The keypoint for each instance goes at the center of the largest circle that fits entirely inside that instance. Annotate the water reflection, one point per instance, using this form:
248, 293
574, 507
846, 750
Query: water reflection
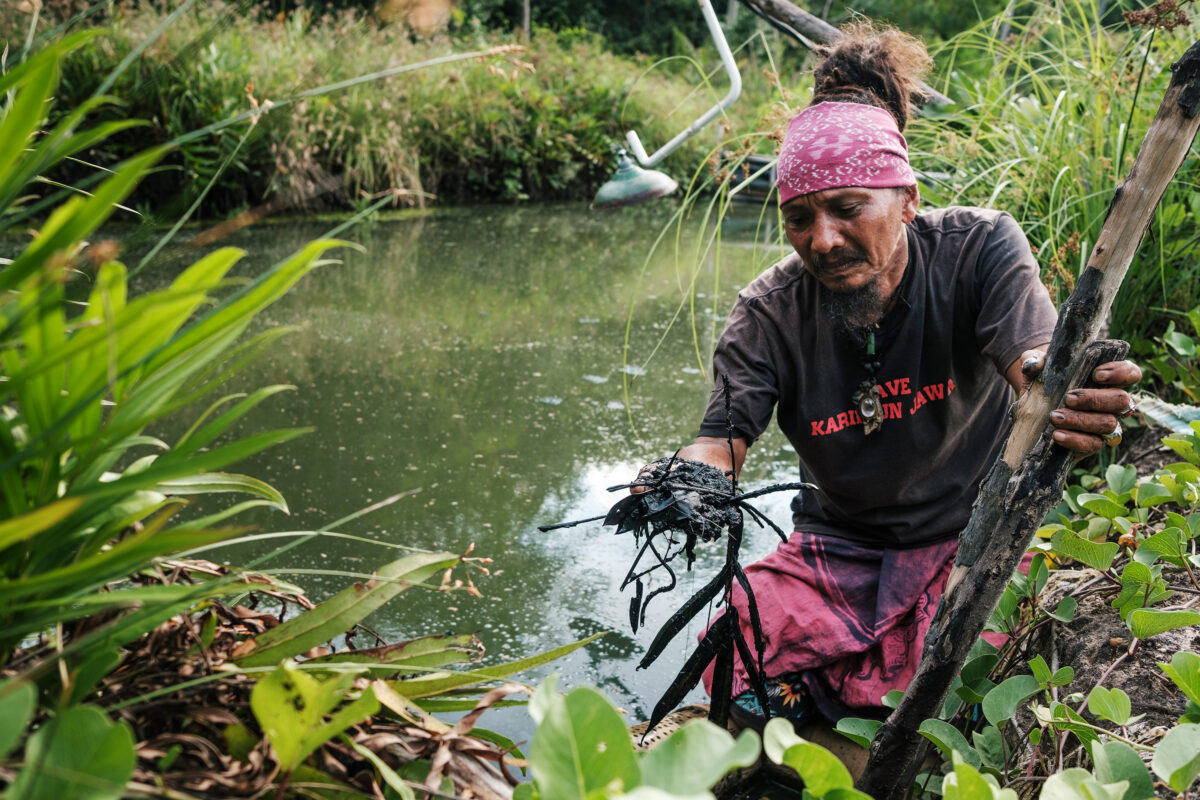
476, 359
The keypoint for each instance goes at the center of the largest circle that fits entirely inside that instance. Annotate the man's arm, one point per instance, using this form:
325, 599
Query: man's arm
1089, 413
715, 452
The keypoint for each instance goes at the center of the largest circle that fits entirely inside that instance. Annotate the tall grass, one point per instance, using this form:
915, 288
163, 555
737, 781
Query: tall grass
1051, 110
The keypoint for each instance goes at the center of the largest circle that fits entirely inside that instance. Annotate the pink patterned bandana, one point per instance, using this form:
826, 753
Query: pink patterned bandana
831, 145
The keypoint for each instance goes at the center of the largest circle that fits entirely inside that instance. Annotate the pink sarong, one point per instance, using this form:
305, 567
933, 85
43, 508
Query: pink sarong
851, 619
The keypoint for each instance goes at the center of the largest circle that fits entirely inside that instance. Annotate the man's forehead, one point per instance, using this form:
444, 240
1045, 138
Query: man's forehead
826, 196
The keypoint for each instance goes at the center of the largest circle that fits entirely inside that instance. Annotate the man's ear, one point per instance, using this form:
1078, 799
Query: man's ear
912, 202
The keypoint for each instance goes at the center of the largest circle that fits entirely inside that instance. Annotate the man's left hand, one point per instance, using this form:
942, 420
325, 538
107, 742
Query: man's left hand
1090, 417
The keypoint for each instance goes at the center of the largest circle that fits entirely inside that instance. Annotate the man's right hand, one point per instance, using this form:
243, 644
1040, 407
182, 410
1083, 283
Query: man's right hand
712, 451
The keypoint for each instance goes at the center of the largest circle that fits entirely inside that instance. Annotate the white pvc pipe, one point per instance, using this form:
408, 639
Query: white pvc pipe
735, 89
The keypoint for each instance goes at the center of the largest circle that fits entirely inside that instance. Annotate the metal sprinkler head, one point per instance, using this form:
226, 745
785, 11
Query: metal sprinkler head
632, 185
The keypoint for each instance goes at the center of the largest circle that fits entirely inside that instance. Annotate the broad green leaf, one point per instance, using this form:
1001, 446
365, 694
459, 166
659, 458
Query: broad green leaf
1097, 529
777, 737
692, 759
1121, 478
820, 769
979, 667
1062, 676
989, 743
582, 748
1076, 783
1169, 544
1096, 555
1146, 622
1184, 670
78, 754
1152, 493
1183, 446
1118, 762
1001, 703
1135, 578
966, 783
17, 704
949, 740
1177, 757
859, 731
299, 711
1110, 704
1040, 669
438, 683
1104, 506
1065, 612
344, 610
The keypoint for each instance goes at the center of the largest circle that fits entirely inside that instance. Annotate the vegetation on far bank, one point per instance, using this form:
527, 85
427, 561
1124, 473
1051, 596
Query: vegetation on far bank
531, 120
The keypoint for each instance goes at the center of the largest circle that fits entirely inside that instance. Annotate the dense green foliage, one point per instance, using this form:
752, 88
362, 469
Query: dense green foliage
1047, 123
538, 121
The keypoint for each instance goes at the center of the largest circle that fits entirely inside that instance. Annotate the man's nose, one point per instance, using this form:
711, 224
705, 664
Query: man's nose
825, 235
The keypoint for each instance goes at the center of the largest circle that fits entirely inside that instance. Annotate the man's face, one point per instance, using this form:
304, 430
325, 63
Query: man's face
851, 237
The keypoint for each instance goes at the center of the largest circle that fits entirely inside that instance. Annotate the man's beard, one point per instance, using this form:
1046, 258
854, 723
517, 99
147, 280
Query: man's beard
850, 311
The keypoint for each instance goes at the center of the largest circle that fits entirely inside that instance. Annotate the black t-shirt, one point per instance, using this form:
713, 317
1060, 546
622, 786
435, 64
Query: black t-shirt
972, 302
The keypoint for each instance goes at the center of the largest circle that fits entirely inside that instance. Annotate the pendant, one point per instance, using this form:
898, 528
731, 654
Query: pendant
866, 400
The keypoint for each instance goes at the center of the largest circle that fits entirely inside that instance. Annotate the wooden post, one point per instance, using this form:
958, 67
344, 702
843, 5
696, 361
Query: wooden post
1027, 480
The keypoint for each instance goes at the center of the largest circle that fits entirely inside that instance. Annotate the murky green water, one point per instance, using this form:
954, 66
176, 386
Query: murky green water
475, 359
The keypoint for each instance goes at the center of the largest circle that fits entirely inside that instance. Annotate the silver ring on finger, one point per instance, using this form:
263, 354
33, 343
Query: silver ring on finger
1113, 437
1132, 407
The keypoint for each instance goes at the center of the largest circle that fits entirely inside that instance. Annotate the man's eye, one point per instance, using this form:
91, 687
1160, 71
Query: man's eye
848, 210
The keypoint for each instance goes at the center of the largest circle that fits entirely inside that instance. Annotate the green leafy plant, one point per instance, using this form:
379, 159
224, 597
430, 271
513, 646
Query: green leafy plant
1173, 361
583, 751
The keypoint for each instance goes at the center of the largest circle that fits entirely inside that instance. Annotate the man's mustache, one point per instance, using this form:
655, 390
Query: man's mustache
836, 260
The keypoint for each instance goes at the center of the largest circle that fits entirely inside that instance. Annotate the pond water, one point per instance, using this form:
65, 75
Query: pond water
476, 359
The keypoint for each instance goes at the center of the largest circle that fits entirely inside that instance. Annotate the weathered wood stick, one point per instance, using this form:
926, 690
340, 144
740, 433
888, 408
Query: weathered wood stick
811, 31
1027, 480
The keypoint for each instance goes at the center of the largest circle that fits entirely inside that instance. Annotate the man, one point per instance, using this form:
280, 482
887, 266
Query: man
889, 346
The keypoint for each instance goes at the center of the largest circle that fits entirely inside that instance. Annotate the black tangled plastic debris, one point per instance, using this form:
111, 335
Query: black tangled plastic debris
684, 502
